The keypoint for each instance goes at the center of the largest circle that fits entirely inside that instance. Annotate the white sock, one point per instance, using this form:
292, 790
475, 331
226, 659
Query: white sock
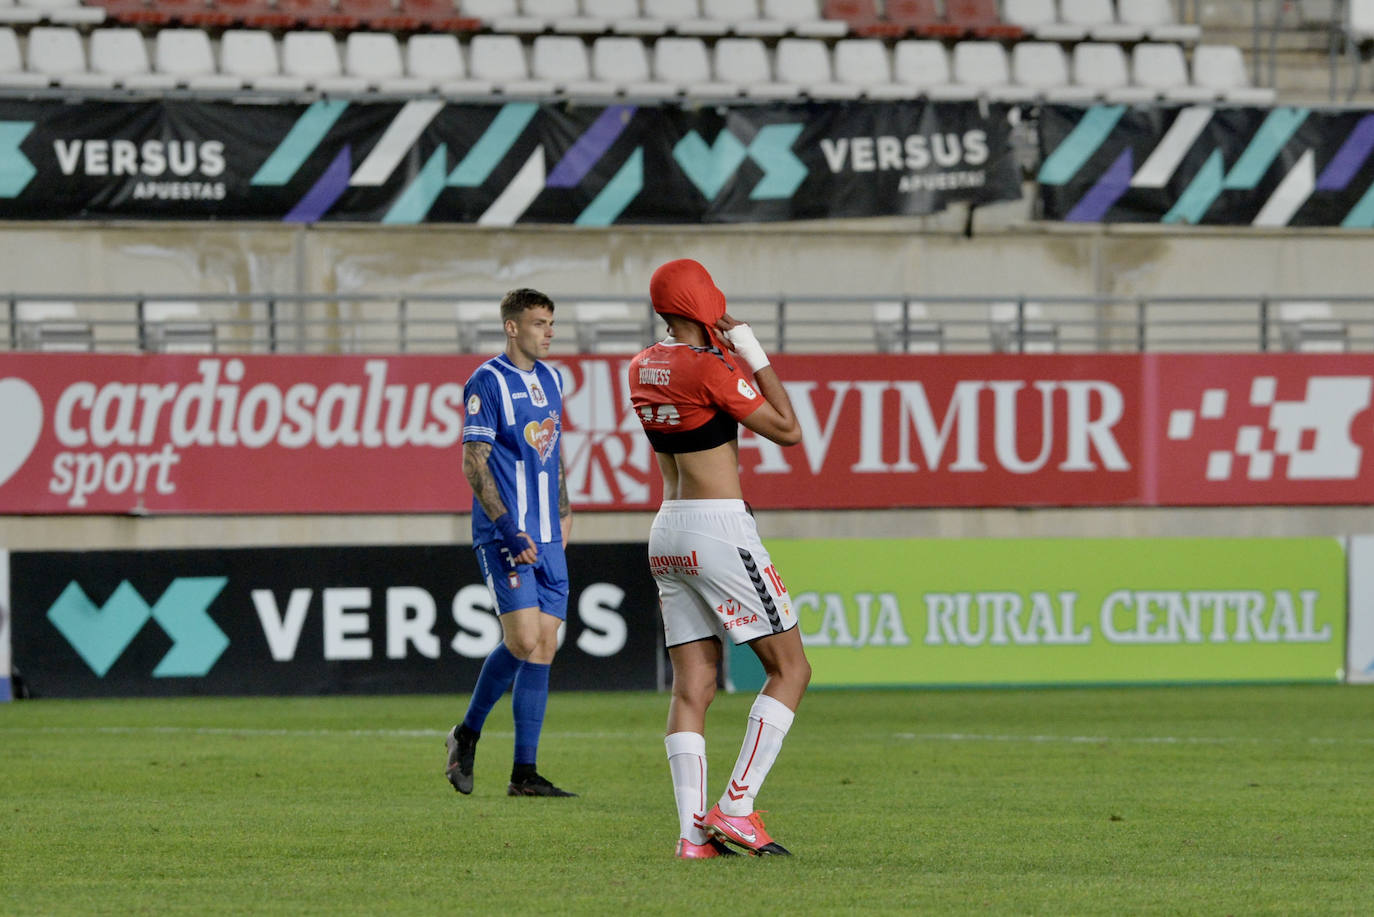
769, 720
687, 763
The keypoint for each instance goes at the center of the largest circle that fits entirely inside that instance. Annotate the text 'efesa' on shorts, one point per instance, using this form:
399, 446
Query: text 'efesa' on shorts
714, 575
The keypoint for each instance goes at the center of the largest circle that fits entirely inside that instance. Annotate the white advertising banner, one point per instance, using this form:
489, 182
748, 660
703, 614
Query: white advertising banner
1359, 660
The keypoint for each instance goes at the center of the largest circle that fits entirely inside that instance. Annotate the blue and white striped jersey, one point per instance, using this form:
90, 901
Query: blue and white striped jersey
520, 414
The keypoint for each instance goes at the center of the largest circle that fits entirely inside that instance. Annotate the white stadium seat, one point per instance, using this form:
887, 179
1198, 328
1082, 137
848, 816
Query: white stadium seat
805, 62
923, 64
13, 14
1163, 69
744, 62
562, 60
983, 64
504, 16
251, 54
500, 61
1042, 66
64, 12
742, 17
437, 60
314, 57
864, 63
1099, 18
12, 72
803, 18
1221, 68
1156, 17
120, 55
684, 64
624, 17
57, 53
376, 58
622, 63
1040, 18
186, 56
1361, 20
1102, 67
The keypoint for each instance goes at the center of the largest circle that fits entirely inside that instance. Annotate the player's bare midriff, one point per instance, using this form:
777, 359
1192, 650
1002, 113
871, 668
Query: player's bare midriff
711, 474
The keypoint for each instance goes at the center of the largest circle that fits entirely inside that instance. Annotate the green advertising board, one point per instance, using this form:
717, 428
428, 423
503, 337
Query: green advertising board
1063, 611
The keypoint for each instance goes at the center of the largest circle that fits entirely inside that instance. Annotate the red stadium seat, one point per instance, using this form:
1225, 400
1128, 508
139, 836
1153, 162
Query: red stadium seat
440, 16
980, 17
923, 18
304, 13
256, 14
134, 12
863, 18
377, 14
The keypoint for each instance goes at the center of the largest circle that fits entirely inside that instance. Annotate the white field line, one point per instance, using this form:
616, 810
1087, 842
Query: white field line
1133, 740
294, 733
595, 736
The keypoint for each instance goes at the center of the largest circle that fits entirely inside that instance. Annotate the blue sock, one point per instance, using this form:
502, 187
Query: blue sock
529, 699
497, 674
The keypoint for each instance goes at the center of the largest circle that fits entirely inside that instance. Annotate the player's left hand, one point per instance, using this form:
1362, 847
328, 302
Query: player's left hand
726, 322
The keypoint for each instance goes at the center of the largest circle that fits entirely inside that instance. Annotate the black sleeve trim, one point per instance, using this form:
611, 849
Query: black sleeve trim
717, 431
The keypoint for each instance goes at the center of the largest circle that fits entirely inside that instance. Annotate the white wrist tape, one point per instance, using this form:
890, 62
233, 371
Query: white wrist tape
747, 347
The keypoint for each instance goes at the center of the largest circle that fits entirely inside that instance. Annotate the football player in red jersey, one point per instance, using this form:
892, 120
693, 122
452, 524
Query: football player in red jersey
715, 578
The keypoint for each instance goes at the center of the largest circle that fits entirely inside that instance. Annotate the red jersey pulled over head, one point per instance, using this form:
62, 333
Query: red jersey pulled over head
683, 287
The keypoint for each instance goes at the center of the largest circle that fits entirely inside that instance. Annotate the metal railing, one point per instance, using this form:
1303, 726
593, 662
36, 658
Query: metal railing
429, 323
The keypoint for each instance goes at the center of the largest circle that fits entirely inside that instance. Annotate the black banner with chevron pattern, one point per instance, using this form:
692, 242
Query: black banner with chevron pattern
427, 160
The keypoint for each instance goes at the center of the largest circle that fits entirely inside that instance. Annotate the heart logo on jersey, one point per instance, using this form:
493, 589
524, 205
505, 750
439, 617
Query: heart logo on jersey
542, 436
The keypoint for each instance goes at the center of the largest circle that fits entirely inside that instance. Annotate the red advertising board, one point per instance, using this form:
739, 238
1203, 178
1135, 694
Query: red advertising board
98, 433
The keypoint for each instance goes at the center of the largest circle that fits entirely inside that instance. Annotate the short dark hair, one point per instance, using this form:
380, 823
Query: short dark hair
517, 301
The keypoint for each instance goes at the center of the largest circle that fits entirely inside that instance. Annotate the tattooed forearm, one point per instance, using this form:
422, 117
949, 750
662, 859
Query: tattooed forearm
564, 504
481, 480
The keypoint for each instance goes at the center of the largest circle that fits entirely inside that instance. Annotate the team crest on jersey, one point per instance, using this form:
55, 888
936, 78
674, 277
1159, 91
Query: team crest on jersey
746, 390
543, 436
474, 404
537, 397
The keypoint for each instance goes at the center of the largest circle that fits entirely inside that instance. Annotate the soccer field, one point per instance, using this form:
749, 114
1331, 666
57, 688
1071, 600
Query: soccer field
1190, 800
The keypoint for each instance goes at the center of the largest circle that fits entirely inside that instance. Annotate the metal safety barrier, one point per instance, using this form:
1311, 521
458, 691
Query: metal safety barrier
337, 323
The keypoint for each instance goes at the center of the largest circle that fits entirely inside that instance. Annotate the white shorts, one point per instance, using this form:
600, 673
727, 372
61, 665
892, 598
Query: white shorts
714, 575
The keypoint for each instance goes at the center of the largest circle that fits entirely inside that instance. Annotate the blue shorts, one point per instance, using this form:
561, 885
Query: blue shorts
542, 584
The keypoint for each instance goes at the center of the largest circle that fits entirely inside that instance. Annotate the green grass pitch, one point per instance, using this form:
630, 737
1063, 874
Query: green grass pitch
1189, 800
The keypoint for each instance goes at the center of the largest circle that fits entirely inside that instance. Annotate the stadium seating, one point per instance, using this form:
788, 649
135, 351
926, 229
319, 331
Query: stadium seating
620, 65
1040, 18
683, 65
803, 18
1103, 68
1360, 20
1221, 69
57, 12
921, 17
1156, 17
743, 62
186, 58
983, 64
1163, 70
862, 64
863, 19
923, 64
12, 72
1043, 68
500, 60
980, 19
251, 55
1098, 18
57, 54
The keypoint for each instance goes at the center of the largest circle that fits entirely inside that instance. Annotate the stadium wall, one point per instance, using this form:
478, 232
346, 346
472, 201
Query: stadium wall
930, 257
